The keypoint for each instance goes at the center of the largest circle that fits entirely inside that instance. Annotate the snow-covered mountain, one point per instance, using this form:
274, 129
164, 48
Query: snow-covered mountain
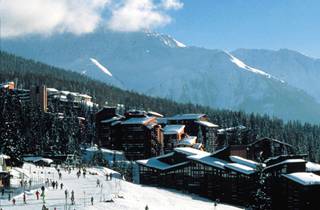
295, 68
159, 65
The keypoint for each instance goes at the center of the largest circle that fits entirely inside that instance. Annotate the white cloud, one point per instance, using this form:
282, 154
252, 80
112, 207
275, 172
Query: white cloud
172, 4
46, 17
20, 17
136, 15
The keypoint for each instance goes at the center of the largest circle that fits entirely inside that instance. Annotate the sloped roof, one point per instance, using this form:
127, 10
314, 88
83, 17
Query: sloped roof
173, 129
137, 120
186, 117
304, 178
207, 124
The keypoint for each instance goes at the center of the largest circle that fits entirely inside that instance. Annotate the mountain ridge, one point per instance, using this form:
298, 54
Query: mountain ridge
156, 65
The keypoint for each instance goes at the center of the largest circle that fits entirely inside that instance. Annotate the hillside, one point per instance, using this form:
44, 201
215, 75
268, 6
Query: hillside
28, 72
143, 62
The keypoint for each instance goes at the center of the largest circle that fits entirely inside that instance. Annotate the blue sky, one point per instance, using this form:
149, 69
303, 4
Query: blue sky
232, 24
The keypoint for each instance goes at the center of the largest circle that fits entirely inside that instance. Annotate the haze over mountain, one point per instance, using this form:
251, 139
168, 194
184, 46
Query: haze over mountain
159, 65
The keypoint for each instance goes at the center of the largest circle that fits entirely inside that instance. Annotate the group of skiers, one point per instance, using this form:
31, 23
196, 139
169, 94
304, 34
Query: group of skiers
55, 185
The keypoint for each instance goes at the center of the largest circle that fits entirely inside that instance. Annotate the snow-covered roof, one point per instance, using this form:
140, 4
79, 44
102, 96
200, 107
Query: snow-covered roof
156, 163
244, 161
103, 150
85, 96
137, 120
239, 127
310, 167
173, 129
37, 159
4, 156
156, 114
304, 178
288, 161
207, 124
240, 168
208, 160
161, 120
186, 117
52, 90
189, 151
188, 141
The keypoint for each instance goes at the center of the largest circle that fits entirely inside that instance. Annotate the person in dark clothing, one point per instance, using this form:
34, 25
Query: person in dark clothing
92, 200
37, 194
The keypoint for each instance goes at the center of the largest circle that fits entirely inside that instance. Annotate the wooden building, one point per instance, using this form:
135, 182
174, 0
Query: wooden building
189, 120
197, 125
207, 134
301, 190
170, 170
141, 137
108, 128
172, 135
267, 147
207, 176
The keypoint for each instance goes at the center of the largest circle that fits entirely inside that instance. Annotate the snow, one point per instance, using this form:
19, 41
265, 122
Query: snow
209, 160
304, 178
137, 120
108, 154
155, 114
173, 129
110, 120
156, 162
288, 161
37, 159
188, 141
244, 161
244, 66
126, 196
186, 117
240, 168
310, 167
207, 124
190, 151
179, 44
101, 67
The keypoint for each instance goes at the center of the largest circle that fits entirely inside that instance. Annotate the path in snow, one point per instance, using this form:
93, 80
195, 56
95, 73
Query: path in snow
135, 197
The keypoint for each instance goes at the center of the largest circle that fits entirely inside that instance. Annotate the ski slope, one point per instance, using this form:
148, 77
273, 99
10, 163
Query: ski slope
125, 195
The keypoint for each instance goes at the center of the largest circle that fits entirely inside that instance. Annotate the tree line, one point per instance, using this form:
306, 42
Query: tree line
26, 73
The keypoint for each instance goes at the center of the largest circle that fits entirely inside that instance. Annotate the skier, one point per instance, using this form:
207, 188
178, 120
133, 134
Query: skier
60, 175
24, 198
92, 200
72, 197
57, 184
61, 186
98, 183
146, 208
37, 194
66, 194
14, 201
